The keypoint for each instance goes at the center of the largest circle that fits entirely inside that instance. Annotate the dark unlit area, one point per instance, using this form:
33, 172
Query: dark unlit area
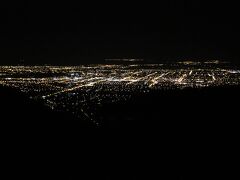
175, 134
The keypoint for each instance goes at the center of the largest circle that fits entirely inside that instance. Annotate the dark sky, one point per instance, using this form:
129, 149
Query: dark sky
75, 33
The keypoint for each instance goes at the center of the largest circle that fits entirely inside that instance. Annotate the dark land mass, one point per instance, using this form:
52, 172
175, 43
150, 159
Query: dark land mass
174, 134
178, 110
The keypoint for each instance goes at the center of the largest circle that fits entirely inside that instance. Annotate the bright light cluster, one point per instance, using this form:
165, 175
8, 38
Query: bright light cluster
82, 89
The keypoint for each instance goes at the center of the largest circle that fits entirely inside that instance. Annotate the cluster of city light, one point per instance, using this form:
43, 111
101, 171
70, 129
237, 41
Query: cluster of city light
82, 89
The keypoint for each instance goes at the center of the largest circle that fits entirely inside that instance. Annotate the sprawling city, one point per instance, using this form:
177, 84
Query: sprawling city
80, 90
119, 90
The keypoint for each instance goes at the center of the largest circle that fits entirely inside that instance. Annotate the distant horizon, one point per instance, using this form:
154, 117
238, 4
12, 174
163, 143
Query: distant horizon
143, 62
124, 61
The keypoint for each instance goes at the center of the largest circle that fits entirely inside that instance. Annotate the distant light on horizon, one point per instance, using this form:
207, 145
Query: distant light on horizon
125, 60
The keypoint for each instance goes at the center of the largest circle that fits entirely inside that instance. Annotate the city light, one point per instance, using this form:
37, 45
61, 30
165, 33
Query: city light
82, 89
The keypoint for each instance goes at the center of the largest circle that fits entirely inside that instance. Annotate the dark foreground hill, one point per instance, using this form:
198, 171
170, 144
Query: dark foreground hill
195, 109
175, 134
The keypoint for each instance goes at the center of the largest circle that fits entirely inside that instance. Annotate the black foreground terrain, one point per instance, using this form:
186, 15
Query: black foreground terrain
175, 134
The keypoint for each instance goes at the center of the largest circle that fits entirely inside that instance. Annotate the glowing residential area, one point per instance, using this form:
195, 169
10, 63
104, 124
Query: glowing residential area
81, 89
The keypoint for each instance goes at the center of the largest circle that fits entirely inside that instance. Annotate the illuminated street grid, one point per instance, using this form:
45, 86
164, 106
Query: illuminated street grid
82, 89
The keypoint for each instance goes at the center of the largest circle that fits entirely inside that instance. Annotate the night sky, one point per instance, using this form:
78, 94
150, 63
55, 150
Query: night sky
71, 33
